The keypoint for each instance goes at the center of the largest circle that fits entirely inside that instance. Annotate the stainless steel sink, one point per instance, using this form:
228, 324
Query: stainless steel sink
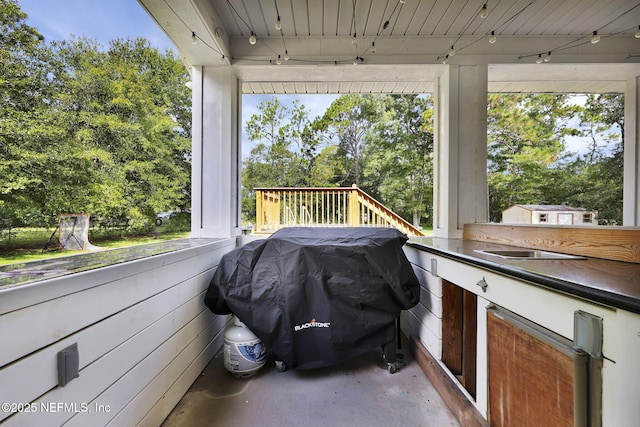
526, 254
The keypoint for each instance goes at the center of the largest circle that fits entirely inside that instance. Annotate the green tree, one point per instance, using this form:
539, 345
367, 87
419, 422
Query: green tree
382, 143
283, 154
24, 89
329, 168
346, 124
528, 161
398, 166
525, 143
593, 178
87, 130
597, 176
124, 111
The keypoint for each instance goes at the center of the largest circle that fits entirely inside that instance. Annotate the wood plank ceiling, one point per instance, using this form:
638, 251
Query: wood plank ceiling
314, 48
366, 18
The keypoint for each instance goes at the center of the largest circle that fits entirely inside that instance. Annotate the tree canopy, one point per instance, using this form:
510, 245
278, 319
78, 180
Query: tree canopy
529, 162
86, 129
106, 131
384, 145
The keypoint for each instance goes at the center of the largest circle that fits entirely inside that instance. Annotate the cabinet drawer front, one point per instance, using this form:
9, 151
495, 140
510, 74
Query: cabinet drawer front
546, 307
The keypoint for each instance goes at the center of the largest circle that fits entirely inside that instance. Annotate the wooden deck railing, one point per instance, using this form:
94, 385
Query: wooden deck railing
323, 207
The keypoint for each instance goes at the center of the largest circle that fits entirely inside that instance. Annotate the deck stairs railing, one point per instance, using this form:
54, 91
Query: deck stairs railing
277, 208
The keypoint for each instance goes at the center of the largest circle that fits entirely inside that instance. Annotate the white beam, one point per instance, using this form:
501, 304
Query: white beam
216, 161
631, 194
460, 190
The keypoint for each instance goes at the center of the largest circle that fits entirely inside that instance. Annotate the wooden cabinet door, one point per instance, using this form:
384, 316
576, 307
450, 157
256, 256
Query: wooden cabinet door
535, 377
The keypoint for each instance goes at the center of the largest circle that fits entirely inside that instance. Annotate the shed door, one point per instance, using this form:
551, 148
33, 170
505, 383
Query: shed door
565, 218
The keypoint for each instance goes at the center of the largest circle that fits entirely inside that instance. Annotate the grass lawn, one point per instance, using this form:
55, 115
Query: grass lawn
28, 244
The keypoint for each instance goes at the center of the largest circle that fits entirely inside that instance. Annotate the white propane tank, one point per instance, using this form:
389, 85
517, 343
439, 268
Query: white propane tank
244, 353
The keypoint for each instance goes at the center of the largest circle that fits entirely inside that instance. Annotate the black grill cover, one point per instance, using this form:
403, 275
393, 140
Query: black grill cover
317, 296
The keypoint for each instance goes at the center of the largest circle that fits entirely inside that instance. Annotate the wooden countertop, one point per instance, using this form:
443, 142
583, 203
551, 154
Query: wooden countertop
613, 283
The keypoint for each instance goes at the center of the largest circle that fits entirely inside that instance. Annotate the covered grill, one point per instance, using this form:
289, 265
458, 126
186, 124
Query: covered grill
318, 296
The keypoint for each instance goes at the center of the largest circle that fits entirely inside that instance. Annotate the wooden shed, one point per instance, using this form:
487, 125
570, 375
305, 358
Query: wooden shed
547, 214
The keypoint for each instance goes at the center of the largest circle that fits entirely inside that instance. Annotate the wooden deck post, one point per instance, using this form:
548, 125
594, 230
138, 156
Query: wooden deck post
353, 211
259, 212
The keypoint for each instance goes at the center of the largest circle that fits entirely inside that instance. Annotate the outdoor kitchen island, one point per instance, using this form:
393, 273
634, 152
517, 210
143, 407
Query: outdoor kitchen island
528, 339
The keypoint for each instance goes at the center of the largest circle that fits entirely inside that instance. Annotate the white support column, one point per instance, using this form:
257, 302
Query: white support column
631, 194
460, 188
215, 198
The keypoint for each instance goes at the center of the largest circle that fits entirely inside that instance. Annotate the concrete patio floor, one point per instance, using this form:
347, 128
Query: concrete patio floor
357, 393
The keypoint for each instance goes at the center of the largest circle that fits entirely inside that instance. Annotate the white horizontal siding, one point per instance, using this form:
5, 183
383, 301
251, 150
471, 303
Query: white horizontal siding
424, 321
143, 335
22, 296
